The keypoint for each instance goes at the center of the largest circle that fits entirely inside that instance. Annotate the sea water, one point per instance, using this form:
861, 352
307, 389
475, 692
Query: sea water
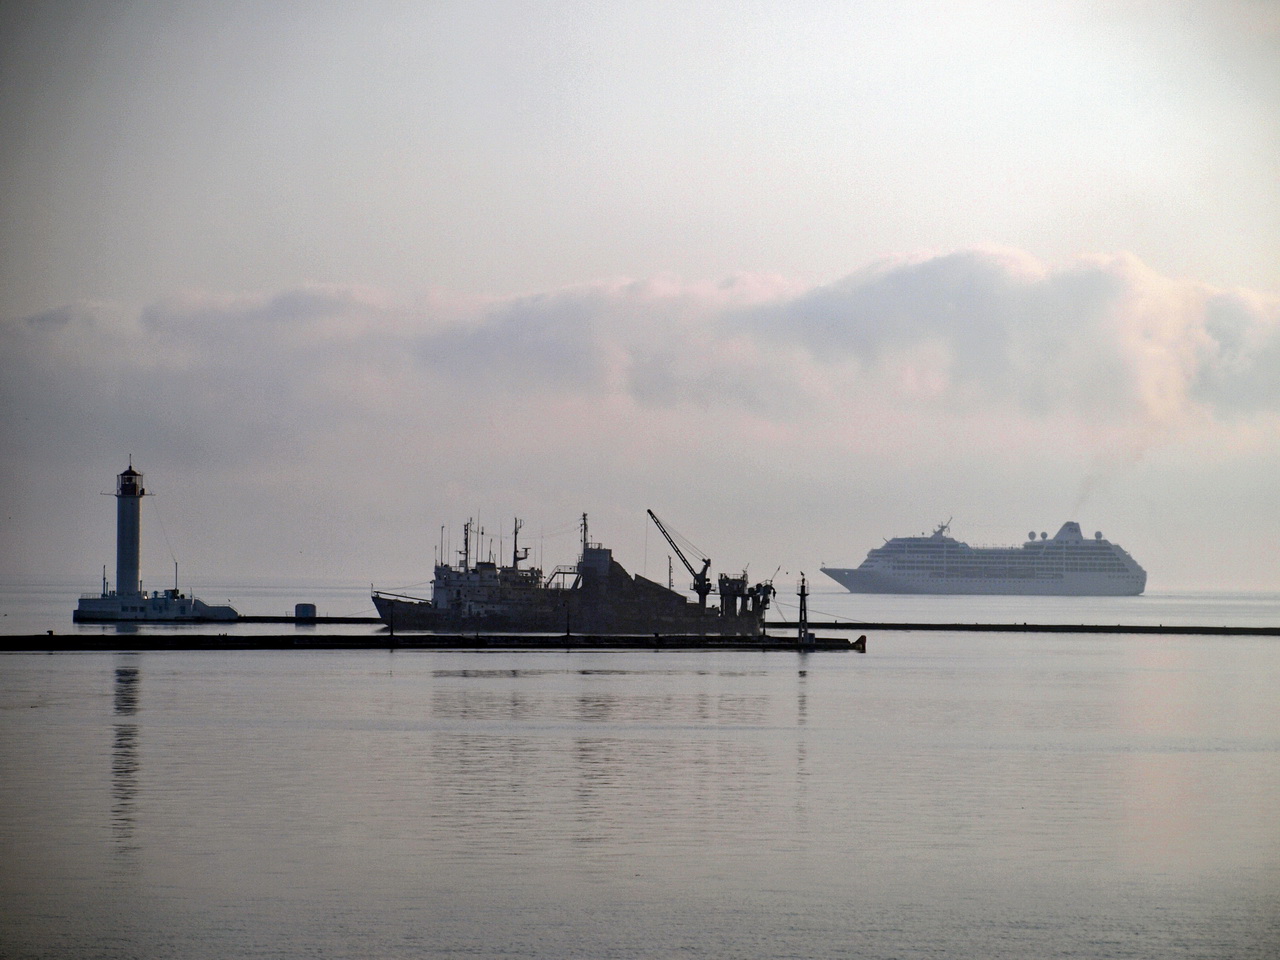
947, 795
40, 605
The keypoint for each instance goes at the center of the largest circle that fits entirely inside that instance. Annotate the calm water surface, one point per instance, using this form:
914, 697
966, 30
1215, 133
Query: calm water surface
949, 796
37, 605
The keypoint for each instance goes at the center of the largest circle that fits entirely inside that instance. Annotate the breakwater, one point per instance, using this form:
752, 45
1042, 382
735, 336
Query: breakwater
784, 626
1130, 628
784, 638
55, 643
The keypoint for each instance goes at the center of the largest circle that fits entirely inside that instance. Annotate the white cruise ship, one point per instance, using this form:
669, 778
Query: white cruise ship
1066, 565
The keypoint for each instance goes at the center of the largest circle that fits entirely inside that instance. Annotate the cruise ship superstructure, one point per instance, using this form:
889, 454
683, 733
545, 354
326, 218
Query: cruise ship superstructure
1068, 564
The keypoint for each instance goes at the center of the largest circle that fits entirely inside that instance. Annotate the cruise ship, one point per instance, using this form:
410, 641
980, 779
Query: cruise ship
1066, 565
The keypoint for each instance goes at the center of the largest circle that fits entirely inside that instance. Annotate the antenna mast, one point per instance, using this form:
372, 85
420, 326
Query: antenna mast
516, 555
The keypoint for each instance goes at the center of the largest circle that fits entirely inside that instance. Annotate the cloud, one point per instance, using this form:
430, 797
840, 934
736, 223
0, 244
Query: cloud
1102, 337
513, 344
1103, 348
978, 355
203, 376
975, 333
1241, 369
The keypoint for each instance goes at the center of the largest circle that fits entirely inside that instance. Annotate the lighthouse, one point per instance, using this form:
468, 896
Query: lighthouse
129, 494
128, 603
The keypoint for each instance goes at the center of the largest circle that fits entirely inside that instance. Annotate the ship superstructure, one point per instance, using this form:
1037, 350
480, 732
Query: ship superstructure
1068, 564
128, 602
596, 595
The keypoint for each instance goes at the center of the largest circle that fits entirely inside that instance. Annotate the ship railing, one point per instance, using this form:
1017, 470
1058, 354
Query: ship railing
397, 596
561, 573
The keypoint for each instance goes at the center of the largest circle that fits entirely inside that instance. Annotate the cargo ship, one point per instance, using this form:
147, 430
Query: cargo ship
1066, 565
594, 596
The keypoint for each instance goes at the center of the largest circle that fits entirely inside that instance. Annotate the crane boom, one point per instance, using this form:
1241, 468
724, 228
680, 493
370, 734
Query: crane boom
701, 582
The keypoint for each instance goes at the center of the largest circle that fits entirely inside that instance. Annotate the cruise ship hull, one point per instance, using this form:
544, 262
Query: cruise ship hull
859, 581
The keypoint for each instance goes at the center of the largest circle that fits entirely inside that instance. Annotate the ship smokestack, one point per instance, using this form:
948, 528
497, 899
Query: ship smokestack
129, 494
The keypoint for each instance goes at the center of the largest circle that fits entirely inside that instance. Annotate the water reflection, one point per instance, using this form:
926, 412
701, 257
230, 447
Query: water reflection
126, 691
525, 673
125, 765
1164, 710
996, 797
600, 701
802, 747
647, 762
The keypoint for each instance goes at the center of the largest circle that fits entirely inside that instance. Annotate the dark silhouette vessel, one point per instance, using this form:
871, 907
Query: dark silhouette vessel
595, 596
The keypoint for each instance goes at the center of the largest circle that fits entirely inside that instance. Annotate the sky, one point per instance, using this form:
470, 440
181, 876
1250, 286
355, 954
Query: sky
799, 277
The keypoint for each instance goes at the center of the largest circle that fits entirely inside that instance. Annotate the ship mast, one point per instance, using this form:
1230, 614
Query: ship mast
516, 555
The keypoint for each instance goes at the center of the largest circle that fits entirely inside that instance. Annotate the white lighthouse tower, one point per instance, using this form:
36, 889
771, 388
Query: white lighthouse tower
128, 601
129, 494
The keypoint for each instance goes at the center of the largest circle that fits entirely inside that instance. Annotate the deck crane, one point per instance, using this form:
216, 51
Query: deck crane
701, 582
